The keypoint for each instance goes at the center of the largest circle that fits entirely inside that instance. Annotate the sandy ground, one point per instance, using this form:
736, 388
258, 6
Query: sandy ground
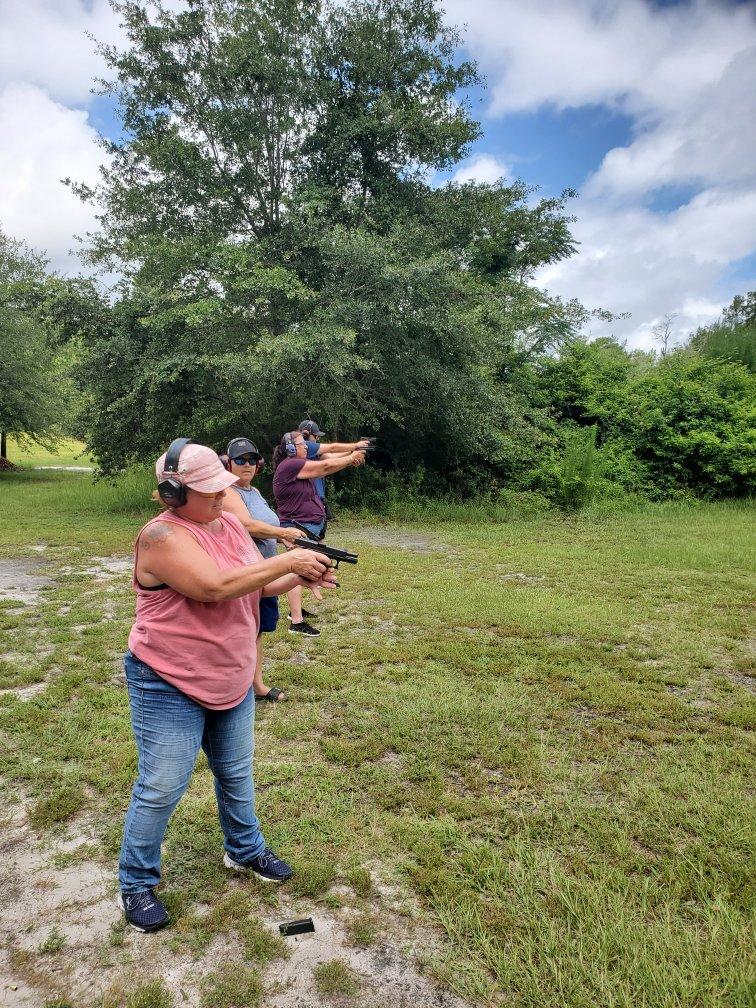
20, 580
61, 938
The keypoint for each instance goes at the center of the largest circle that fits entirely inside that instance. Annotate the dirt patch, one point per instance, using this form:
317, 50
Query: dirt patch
413, 542
389, 972
688, 695
21, 581
25, 692
54, 920
108, 568
742, 679
14, 993
63, 937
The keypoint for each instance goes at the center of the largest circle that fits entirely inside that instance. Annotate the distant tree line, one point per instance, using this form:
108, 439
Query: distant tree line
282, 253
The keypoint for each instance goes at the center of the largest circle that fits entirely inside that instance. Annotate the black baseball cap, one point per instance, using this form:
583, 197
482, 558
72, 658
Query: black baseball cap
242, 446
311, 427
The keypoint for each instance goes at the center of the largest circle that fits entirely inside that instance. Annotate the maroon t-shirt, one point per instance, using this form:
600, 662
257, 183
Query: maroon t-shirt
296, 499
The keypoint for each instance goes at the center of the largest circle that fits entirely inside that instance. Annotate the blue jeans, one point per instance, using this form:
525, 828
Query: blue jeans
169, 729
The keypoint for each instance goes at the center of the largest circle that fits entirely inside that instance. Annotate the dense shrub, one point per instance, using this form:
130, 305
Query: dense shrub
685, 423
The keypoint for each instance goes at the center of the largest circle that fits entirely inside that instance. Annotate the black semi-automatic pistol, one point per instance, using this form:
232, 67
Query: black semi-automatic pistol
311, 543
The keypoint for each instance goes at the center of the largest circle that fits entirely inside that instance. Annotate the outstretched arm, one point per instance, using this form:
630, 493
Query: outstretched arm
339, 447
170, 555
332, 464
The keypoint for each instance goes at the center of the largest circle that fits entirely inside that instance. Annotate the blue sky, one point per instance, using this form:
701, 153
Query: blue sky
646, 109
549, 148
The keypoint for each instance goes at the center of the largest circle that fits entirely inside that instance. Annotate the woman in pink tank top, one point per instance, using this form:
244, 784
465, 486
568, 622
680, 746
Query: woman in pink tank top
198, 578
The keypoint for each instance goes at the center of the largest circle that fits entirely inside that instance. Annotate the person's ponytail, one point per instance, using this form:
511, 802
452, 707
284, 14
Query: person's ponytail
279, 454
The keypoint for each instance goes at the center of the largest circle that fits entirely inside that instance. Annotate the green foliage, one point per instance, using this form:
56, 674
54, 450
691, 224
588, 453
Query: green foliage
283, 255
233, 988
733, 337
682, 424
335, 978
572, 480
35, 392
54, 942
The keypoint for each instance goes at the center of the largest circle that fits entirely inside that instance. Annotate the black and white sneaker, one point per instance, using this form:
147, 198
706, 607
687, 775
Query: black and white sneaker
306, 614
303, 628
143, 910
266, 866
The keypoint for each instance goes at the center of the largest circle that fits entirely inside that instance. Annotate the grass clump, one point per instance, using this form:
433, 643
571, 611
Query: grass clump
236, 988
153, 994
234, 913
62, 804
54, 942
363, 930
360, 880
117, 933
334, 978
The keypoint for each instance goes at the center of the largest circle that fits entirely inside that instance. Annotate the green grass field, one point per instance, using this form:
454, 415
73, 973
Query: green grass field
540, 731
28, 455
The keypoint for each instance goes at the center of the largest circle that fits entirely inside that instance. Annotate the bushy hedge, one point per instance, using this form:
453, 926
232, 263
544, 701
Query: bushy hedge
631, 423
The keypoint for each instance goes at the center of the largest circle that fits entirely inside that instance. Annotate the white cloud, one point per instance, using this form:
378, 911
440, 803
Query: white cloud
481, 168
621, 53
708, 138
44, 42
651, 264
686, 74
42, 142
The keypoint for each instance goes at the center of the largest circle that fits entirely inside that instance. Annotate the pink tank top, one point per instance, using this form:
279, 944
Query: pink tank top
205, 649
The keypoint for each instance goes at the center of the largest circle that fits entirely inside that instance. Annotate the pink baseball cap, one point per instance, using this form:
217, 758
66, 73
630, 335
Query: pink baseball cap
199, 469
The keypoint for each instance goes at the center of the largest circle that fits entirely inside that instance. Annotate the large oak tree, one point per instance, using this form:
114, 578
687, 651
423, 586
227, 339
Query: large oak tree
284, 252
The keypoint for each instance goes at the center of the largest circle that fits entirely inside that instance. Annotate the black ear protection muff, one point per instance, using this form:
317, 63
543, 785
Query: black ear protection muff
289, 447
172, 491
226, 462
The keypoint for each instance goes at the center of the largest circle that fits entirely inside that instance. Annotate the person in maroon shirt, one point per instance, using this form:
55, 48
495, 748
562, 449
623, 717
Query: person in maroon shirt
295, 493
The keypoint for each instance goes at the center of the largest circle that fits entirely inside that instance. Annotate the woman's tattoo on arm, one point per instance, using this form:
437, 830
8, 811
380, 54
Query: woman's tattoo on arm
155, 535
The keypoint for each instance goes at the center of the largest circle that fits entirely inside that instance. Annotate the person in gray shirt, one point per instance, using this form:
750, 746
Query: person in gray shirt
247, 503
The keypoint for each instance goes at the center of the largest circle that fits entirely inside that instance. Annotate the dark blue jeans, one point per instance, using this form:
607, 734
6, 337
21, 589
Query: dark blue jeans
169, 729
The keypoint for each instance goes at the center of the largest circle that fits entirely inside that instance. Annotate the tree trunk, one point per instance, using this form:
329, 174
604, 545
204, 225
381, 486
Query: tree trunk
3, 445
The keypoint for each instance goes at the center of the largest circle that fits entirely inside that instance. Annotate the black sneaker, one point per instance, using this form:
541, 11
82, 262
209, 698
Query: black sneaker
304, 628
307, 614
143, 910
265, 866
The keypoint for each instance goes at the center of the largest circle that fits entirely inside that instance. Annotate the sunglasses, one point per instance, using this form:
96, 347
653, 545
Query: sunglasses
241, 460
